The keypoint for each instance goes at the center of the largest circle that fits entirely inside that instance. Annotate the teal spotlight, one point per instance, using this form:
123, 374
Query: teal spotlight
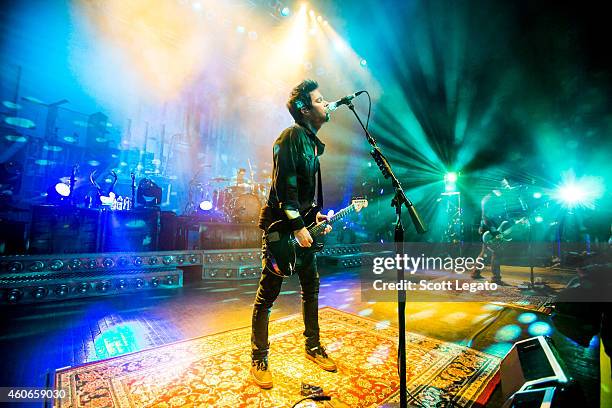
451, 177
449, 181
363, 62
285, 11
538, 219
537, 194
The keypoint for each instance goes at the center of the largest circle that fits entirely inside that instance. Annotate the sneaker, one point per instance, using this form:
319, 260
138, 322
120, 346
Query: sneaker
261, 374
320, 357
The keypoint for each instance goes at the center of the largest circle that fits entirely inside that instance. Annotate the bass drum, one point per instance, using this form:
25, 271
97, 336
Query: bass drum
244, 209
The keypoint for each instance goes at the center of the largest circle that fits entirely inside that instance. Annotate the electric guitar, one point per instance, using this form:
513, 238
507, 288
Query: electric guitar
282, 246
504, 232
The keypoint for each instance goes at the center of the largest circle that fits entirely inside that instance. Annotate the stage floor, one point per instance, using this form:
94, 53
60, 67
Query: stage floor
37, 339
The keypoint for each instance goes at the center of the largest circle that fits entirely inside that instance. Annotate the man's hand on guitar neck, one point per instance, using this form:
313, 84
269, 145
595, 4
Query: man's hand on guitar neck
324, 218
303, 237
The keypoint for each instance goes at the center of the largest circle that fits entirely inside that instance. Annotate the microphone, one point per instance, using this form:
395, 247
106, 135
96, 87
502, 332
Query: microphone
343, 101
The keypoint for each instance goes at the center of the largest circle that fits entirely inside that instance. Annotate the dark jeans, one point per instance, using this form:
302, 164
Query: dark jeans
496, 259
267, 292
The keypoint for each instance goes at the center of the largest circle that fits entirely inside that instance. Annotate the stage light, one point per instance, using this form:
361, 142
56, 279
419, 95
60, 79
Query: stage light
571, 194
363, 62
451, 177
15, 138
69, 139
537, 194
58, 193
285, 11
579, 192
311, 13
206, 205
449, 181
149, 194
539, 219
93, 163
52, 148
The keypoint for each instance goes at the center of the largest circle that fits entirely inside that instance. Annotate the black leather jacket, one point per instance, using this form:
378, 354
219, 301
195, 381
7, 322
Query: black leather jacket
296, 160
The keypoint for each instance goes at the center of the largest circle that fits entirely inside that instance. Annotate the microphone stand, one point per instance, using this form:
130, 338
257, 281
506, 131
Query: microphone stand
133, 176
72, 182
399, 200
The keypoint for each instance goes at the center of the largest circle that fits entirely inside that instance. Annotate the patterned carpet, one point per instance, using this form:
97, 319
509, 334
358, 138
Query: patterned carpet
212, 371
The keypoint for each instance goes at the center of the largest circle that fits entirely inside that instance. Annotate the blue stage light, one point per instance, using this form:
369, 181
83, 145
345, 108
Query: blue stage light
539, 219
285, 11
363, 62
206, 205
62, 189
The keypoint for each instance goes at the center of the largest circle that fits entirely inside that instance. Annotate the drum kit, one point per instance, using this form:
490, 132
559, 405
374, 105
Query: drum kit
237, 199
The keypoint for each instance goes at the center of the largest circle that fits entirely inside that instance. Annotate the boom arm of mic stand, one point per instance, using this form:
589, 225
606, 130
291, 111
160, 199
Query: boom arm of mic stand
387, 172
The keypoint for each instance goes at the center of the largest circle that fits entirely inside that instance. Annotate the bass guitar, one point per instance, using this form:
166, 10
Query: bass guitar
504, 232
282, 246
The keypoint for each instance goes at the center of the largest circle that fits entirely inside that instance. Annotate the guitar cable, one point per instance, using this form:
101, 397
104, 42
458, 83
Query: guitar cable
314, 397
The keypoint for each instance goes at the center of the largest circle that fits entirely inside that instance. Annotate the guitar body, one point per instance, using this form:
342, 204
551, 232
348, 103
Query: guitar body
505, 231
282, 246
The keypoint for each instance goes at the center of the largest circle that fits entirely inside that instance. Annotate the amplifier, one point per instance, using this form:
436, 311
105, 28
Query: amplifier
31, 278
217, 235
531, 364
134, 230
59, 286
64, 229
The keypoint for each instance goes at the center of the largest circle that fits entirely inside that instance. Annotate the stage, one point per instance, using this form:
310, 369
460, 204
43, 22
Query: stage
157, 155
53, 336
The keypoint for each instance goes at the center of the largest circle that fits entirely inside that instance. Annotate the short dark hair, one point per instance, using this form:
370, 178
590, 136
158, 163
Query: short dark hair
300, 98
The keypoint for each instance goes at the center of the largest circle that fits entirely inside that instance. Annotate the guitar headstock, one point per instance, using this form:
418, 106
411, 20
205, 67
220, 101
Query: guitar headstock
359, 203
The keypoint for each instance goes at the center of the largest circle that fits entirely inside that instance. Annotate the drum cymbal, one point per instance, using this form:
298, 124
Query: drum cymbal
219, 179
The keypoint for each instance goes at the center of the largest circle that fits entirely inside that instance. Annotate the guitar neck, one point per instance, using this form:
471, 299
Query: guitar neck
319, 228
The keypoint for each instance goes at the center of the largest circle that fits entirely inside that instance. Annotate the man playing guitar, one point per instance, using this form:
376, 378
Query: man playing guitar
296, 164
496, 209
